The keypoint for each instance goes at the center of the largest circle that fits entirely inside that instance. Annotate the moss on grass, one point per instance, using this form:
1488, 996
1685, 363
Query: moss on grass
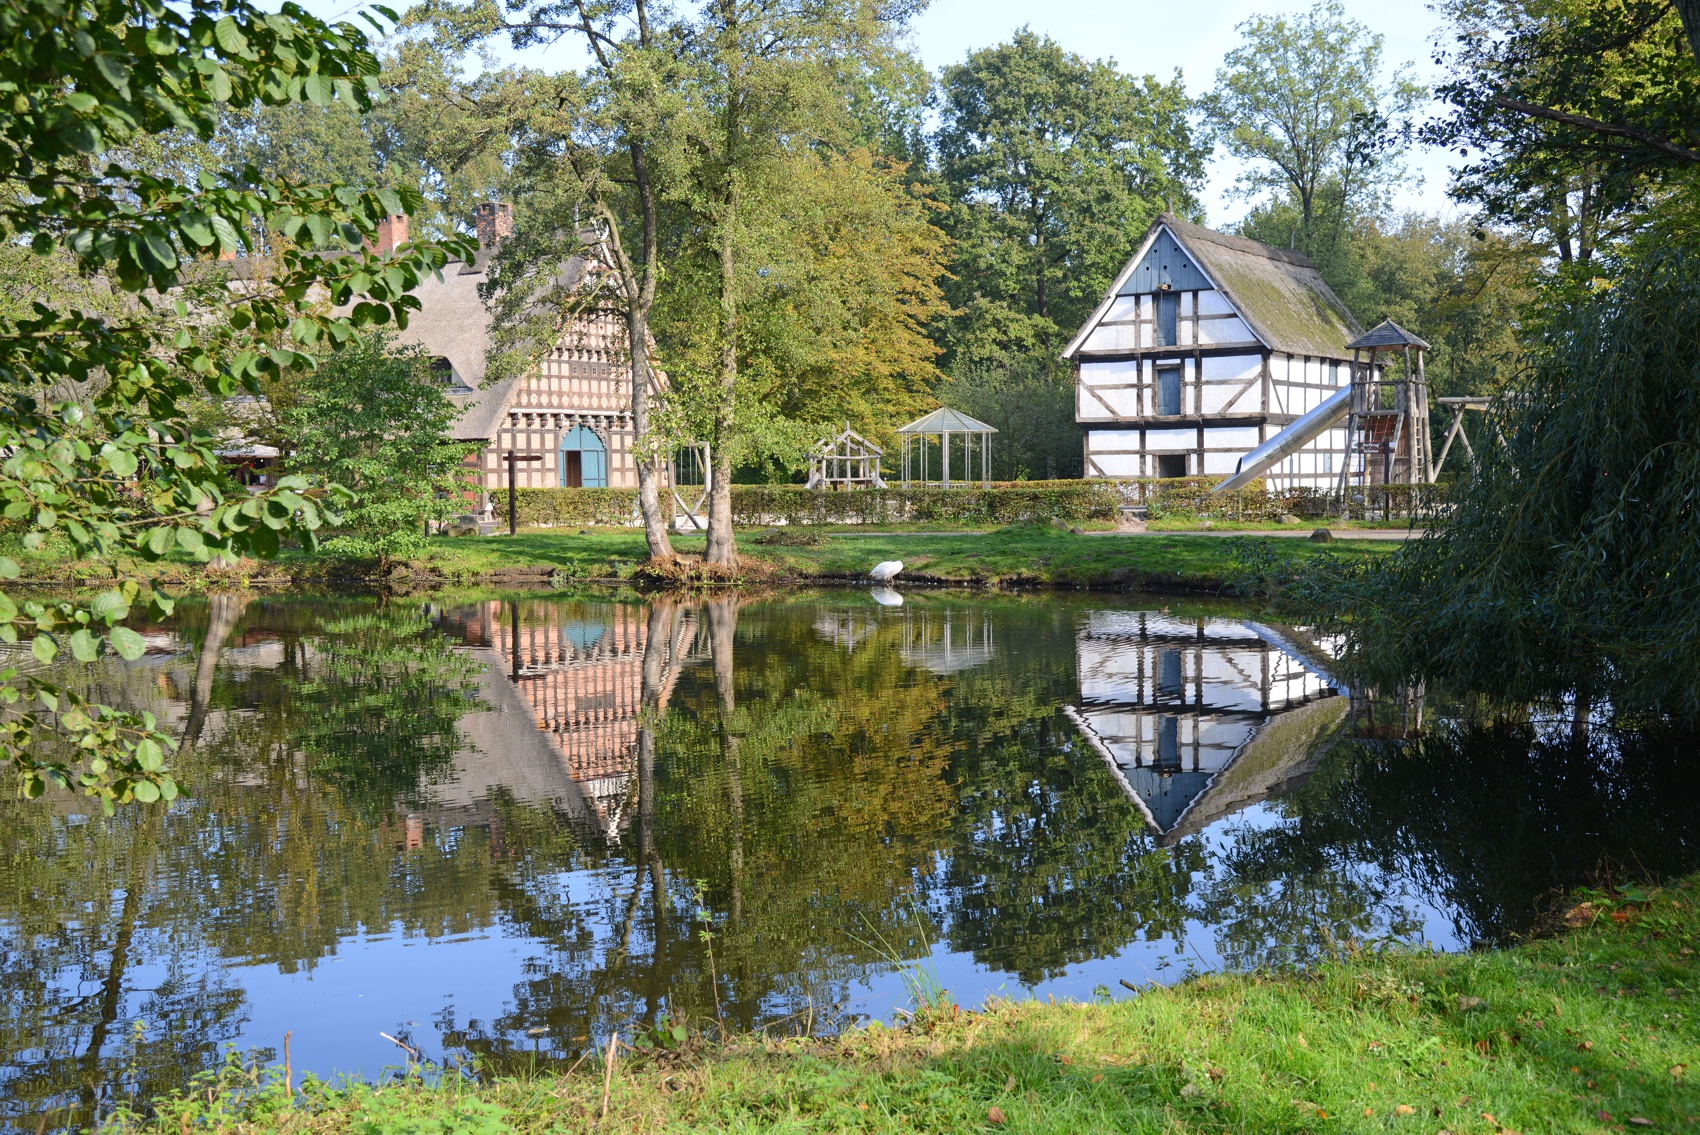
1592, 1030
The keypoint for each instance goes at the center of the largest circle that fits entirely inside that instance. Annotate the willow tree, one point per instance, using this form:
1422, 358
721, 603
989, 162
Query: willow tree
1567, 569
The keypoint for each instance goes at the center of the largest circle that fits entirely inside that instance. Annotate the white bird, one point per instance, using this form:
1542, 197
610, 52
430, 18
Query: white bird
886, 571
886, 597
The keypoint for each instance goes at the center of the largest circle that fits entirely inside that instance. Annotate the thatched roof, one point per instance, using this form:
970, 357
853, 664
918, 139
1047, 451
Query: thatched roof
1277, 292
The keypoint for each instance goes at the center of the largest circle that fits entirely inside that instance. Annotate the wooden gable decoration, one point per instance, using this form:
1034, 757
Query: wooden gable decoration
1164, 267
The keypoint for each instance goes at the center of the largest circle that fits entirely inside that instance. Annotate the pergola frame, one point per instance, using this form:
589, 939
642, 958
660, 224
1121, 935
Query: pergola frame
847, 461
942, 423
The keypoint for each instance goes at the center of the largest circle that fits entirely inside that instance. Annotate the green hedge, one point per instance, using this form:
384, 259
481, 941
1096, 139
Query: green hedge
759, 505
755, 506
1191, 496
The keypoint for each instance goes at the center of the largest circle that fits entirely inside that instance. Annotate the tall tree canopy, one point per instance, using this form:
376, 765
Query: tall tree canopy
1054, 166
1572, 115
1303, 100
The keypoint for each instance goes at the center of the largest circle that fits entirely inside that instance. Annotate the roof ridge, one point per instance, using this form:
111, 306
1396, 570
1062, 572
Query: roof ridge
1238, 243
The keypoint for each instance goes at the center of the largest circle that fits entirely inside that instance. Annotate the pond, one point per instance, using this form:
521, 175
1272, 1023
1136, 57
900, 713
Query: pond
502, 829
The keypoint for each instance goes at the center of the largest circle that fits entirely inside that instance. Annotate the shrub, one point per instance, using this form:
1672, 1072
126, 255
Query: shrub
757, 506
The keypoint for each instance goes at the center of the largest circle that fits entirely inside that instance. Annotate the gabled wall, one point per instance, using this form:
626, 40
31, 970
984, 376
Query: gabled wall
1236, 391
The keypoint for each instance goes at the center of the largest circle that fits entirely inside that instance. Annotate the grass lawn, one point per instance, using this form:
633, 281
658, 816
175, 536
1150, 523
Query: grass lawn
1030, 555
1025, 555
1595, 1030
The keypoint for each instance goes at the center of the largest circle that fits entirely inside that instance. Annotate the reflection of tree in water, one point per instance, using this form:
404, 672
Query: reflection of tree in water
1050, 865
388, 693
1486, 822
264, 862
1280, 898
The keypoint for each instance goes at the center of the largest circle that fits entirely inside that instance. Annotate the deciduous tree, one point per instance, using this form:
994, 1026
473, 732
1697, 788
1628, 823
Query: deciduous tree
1304, 101
1054, 167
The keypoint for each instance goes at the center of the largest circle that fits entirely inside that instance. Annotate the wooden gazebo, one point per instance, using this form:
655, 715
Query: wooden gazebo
943, 423
848, 461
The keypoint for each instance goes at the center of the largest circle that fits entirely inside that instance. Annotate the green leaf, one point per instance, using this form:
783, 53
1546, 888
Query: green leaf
127, 643
145, 791
319, 89
44, 648
230, 37
122, 462
8, 568
114, 71
190, 540
110, 605
149, 756
228, 240
218, 86
84, 646
167, 789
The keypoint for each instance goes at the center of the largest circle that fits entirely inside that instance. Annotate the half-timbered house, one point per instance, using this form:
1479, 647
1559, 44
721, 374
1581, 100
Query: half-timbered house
1206, 346
572, 410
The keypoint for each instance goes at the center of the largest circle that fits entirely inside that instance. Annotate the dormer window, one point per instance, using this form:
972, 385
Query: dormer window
443, 371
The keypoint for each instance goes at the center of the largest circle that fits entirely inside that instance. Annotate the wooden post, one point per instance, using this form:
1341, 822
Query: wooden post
513, 496
944, 448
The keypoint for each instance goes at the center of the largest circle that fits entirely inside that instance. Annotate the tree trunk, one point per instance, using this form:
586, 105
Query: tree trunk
1689, 10
722, 549
649, 493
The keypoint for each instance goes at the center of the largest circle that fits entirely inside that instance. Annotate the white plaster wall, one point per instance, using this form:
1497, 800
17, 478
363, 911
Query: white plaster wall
1220, 464
1232, 368
1117, 464
1213, 303
1216, 332
1170, 440
1088, 408
1122, 337
1122, 307
1230, 437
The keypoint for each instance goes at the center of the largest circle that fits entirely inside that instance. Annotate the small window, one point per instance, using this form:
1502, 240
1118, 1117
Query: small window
1168, 315
443, 371
1169, 390
1171, 465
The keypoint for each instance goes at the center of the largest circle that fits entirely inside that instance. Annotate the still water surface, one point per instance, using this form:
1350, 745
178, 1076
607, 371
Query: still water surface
496, 828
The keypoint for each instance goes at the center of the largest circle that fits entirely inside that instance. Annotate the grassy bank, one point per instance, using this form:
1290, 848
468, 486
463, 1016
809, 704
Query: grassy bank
1592, 1030
1022, 556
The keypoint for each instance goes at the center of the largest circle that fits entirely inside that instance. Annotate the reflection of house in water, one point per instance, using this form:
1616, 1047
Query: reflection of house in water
944, 640
575, 673
1199, 718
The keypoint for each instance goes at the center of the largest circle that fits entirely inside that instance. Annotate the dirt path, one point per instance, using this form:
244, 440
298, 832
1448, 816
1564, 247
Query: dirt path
1400, 534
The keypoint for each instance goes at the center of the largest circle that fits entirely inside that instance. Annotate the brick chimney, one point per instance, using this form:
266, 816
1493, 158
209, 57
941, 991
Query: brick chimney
392, 231
495, 220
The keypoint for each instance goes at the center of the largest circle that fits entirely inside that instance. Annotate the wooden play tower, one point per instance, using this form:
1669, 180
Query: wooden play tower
1387, 435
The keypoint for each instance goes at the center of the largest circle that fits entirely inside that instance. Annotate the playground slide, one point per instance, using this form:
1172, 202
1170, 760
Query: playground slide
1290, 440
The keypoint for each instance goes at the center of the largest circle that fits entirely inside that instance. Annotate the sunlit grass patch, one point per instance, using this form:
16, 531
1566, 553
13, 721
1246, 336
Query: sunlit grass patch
1591, 1030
